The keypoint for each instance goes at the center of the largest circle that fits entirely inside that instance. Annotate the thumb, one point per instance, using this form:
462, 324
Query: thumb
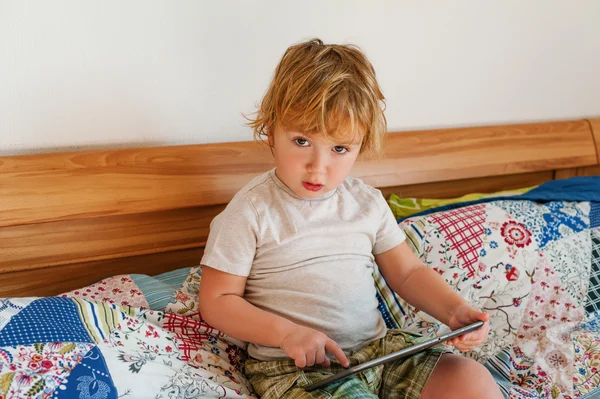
477, 315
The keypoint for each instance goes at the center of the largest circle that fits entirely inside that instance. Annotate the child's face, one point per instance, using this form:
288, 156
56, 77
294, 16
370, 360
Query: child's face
311, 165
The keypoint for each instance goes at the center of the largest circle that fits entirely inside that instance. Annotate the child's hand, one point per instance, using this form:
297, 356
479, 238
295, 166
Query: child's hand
465, 315
309, 347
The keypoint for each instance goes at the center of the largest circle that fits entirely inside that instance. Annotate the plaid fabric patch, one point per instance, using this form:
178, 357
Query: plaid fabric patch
593, 299
402, 379
463, 227
191, 333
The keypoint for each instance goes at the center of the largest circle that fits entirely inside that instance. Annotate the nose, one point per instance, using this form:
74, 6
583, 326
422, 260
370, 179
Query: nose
317, 162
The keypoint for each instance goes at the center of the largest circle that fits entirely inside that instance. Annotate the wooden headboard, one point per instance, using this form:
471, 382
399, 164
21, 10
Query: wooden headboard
69, 219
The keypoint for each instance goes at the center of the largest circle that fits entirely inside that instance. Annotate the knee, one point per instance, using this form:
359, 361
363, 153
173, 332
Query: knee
479, 383
460, 377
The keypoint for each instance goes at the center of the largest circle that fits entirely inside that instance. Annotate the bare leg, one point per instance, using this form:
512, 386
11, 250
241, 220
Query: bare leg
460, 377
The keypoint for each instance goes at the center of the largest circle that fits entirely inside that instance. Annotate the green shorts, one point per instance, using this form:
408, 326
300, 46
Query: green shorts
403, 378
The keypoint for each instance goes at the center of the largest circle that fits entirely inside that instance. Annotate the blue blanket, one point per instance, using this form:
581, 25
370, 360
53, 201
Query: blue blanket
580, 188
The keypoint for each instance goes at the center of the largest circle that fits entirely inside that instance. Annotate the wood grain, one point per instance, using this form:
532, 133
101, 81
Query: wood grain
69, 219
566, 173
572, 172
458, 188
51, 187
589, 171
442, 155
595, 127
36, 246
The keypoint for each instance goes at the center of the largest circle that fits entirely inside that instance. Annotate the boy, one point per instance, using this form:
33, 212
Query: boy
288, 264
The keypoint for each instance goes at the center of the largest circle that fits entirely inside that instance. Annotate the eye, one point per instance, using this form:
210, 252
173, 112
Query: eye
338, 149
301, 142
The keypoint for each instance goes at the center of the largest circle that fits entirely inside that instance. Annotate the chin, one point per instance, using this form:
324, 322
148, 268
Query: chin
314, 194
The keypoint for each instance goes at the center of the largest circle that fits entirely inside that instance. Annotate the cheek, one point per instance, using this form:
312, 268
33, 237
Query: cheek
291, 159
296, 158
343, 167
348, 162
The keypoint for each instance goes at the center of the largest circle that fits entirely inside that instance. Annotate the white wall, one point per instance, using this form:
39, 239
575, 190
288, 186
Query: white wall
93, 74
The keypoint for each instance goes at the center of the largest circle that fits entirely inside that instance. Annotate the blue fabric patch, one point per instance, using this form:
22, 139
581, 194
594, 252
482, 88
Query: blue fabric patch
89, 380
159, 290
52, 319
545, 221
557, 218
595, 214
579, 188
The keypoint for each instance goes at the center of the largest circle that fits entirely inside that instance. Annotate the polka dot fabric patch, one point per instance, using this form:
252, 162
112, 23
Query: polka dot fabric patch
50, 319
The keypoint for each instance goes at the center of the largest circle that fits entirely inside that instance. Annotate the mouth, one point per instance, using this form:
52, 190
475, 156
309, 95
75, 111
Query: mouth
311, 186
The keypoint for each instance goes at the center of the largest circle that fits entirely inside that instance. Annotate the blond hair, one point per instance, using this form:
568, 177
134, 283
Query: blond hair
324, 88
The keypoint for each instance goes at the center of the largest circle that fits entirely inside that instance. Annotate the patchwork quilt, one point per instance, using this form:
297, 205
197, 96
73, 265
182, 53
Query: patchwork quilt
130, 336
533, 264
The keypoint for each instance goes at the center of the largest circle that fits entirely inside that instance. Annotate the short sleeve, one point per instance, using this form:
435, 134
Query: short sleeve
389, 234
232, 239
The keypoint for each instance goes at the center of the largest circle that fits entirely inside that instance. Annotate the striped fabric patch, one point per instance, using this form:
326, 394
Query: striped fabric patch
499, 367
414, 236
99, 318
159, 290
389, 305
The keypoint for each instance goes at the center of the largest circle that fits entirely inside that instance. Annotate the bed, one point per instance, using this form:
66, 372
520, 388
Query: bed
99, 255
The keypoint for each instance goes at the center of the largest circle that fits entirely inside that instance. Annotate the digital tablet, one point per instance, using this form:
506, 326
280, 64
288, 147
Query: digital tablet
394, 356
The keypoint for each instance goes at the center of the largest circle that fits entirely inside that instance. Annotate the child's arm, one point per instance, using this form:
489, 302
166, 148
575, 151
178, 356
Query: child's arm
222, 305
426, 290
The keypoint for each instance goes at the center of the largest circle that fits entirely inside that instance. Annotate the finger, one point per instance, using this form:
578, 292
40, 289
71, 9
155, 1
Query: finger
469, 337
322, 358
310, 358
300, 360
466, 340
470, 342
464, 349
335, 350
479, 336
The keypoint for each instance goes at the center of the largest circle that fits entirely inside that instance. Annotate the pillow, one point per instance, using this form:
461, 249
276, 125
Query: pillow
532, 267
405, 207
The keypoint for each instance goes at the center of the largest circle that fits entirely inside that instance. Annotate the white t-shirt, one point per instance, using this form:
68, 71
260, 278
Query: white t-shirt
308, 260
